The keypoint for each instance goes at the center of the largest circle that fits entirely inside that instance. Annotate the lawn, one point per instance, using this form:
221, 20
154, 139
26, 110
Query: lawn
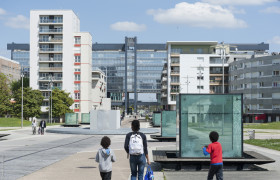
267, 143
16, 122
13, 122
273, 125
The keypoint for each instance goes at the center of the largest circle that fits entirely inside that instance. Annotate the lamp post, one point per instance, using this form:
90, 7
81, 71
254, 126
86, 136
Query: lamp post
22, 75
51, 86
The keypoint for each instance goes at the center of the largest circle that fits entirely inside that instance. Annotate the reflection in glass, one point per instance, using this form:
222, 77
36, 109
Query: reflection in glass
203, 113
168, 123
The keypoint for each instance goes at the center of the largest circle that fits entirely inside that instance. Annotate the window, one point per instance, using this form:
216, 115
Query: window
199, 50
200, 87
275, 73
45, 103
261, 95
77, 86
200, 68
241, 86
260, 73
173, 97
77, 58
261, 84
77, 95
77, 70
276, 84
77, 77
77, 40
77, 106
200, 77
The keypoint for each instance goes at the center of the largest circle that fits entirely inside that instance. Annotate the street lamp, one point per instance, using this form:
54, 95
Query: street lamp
51, 86
22, 75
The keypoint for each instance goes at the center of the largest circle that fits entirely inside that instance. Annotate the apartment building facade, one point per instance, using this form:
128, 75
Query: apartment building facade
10, 68
61, 57
201, 67
259, 81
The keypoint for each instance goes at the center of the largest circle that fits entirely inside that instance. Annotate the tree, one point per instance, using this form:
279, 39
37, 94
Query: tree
16, 85
32, 102
5, 95
61, 103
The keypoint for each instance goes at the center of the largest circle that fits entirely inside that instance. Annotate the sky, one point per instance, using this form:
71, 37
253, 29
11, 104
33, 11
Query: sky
154, 21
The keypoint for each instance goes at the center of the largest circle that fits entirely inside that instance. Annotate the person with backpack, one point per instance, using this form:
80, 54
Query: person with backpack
136, 147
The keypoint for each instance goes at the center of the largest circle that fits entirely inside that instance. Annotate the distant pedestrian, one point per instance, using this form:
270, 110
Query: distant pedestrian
136, 147
216, 156
43, 125
105, 156
34, 125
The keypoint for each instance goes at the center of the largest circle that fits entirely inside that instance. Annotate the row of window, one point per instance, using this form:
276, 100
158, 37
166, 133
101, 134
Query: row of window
254, 85
253, 64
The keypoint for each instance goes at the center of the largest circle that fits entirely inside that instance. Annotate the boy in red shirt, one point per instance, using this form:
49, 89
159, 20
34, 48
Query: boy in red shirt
216, 156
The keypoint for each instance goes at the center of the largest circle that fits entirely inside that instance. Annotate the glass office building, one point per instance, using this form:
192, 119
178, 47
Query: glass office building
131, 68
20, 53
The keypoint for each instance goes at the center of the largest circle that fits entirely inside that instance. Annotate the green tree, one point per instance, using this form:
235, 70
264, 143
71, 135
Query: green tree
61, 103
5, 95
16, 85
32, 102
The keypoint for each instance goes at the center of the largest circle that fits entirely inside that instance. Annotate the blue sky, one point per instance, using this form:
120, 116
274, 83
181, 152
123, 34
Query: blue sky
154, 21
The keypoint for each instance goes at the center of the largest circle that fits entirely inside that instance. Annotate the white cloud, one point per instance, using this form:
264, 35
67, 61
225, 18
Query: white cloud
2, 11
272, 9
128, 26
198, 15
18, 22
239, 2
236, 10
275, 40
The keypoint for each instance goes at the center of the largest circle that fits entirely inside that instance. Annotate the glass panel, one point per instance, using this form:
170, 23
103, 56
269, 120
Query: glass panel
201, 114
71, 118
168, 124
156, 119
85, 118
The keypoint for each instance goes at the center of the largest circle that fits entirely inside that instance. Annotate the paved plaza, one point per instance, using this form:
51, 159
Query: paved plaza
72, 156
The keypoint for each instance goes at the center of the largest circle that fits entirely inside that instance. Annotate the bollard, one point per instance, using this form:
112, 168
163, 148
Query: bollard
251, 134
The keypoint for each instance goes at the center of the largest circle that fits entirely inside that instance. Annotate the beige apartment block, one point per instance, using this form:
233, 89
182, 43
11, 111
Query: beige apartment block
10, 67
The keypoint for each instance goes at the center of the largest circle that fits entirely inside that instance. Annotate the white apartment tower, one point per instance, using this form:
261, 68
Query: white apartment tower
60, 56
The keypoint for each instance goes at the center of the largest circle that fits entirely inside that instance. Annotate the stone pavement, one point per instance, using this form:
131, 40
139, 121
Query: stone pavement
63, 156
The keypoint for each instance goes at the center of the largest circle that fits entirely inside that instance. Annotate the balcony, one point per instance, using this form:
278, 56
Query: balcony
163, 95
175, 72
50, 31
174, 91
51, 21
164, 79
50, 69
50, 50
164, 71
174, 83
95, 77
49, 78
51, 40
46, 59
163, 87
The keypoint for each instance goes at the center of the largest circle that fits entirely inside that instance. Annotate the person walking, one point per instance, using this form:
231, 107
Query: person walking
105, 156
43, 125
34, 127
216, 156
136, 147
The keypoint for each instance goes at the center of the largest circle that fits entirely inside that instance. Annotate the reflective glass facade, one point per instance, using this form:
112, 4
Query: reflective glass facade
23, 58
168, 123
199, 114
149, 69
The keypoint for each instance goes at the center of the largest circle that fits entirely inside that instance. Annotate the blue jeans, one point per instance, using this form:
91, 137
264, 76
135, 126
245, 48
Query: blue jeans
215, 170
137, 161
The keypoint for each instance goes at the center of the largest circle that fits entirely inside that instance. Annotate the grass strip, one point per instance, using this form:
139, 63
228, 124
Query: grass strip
267, 143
